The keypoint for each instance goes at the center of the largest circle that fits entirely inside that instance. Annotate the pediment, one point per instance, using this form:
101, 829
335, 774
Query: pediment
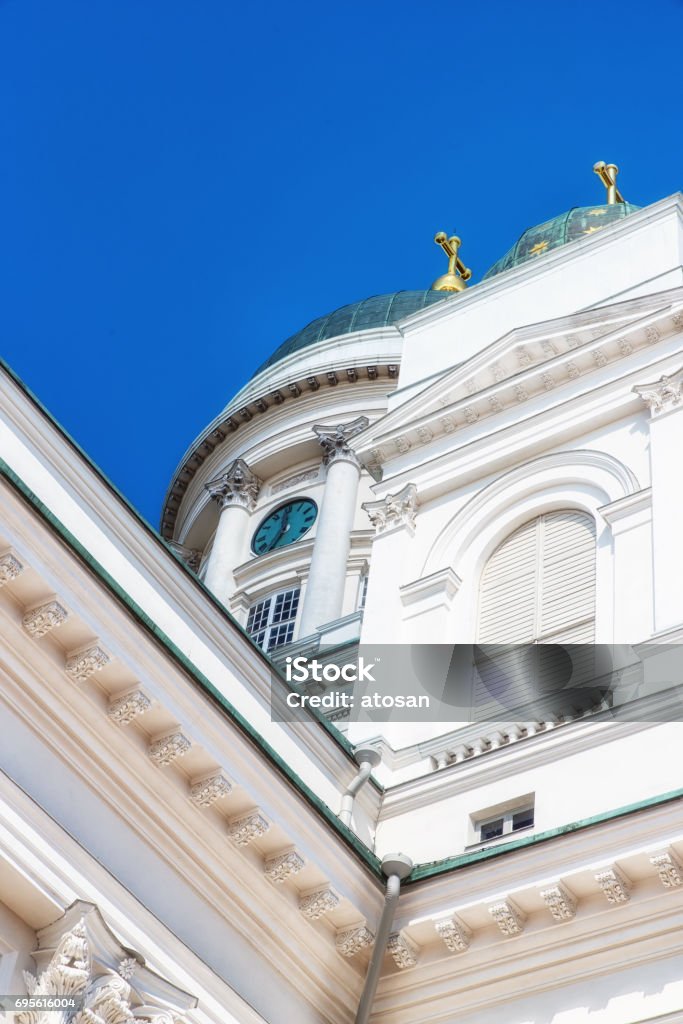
518, 366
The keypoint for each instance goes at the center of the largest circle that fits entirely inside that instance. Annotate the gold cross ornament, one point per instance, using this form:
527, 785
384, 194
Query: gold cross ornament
457, 274
608, 176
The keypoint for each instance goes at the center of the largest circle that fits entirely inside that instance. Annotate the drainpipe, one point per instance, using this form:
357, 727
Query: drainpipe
367, 758
396, 867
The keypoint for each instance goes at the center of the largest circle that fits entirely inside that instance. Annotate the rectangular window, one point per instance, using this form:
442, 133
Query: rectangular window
503, 820
271, 621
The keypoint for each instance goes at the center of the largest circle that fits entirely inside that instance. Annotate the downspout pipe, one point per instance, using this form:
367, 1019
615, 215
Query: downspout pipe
367, 758
396, 867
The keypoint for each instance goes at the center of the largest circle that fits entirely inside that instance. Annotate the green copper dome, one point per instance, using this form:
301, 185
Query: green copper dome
577, 223
378, 311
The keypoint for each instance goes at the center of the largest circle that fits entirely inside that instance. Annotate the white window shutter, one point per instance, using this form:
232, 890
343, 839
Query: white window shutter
567, 590
509, 585
539, 584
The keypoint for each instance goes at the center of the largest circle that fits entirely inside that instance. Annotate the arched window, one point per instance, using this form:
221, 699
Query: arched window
538, 586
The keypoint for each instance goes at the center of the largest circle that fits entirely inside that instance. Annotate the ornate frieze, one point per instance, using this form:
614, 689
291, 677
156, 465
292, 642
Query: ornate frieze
455, 935
315, 905
402, 950
237, 486
82, 664
573, 371
677, 319
334, 440
248, 827
448, 423
471, 415
547, 381
664, 394
599, 357
625, 347
615, 885
281, 867
39, 621
127, 706
652, 334
559, 902
292, 481
10, 568
395, 510
167, 749
350, 941
403, 445
669, 869
508, 917
206, 791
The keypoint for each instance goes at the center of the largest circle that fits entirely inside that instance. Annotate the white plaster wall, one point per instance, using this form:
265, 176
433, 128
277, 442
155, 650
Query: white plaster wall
648, 992
399, 558
613, 772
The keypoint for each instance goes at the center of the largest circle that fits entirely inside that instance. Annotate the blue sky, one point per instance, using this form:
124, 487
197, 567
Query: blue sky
185, 184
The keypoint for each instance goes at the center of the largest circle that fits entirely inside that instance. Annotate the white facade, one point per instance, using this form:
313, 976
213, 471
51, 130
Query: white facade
145, 785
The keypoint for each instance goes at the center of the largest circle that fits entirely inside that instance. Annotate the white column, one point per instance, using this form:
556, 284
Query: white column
235, 491
325, 591
665, 401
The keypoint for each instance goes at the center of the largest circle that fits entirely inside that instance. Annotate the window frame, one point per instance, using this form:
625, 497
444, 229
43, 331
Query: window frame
505, 814
274, 621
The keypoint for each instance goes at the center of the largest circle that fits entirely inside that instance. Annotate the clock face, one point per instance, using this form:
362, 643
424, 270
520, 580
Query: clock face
285, 525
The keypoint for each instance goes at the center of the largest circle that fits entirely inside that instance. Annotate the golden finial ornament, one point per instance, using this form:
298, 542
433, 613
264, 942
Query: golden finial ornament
608, 176
456, 276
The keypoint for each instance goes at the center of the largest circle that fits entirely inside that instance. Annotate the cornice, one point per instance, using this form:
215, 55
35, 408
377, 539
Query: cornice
381, 373
514, 374
496, 762
540, 426
203, 684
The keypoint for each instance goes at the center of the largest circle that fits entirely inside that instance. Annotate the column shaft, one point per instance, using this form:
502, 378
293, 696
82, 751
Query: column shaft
327, 576
227, 551
235, 492
324, 598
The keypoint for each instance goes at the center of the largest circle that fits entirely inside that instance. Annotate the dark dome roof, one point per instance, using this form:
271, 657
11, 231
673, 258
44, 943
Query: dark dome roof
378, 311
579, 221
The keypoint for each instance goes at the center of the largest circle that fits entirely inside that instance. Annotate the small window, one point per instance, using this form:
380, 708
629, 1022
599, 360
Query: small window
523, 819
363, 591
271, 621
499, 822
492, 829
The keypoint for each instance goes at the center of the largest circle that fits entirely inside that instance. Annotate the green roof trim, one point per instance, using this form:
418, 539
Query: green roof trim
579, 222
368, 314
369, 859
157, 538
440, 867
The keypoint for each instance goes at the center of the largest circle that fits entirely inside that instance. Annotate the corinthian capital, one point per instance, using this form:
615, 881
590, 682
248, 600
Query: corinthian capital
237, 486
334, 440
395, 510
663, 394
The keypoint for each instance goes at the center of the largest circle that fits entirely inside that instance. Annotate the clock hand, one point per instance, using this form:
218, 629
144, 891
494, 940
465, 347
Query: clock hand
283, 526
